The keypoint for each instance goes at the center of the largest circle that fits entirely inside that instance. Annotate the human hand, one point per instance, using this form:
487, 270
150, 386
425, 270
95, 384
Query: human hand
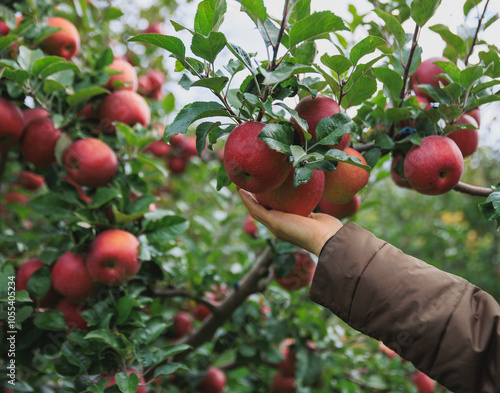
310, 233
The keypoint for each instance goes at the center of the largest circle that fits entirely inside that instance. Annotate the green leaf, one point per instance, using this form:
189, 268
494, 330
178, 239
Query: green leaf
222, 178
20, 76
107, 337
202, 131
52, 320
315, 26
362, 90
216, 83
85, 94
143, 354
278, 137
8, 15
103, 196
127, 383
337, 63
436, 93
390, 79
298, 154
208, 47
50, 65
366, 46
469, 5
209, 16
423, 10
394, 27
396, 114
170, 368
254, 8
302, 175
113, 13
167, 228
7, 40
105, 59
330, 130
490, 209
453, 40
295, 116
173, 44
339, 155
192, 112
283, 72
305, 53
28, 57
469, 75
449, 68
39, 282
490, 21
384, 141
484, 100
242, 56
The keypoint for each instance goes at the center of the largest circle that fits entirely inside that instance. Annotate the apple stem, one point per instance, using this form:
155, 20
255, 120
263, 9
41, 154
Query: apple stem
480, 21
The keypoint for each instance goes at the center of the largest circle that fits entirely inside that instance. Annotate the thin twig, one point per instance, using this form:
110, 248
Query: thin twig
473, 190
174, 292
480, 21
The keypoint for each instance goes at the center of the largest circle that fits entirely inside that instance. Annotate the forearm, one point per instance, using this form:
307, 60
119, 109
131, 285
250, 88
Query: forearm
422, 312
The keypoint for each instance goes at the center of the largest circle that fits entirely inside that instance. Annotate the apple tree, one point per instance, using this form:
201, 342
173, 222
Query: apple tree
129, 264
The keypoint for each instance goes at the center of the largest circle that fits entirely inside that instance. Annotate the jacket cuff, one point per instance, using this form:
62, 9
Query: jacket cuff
341, 263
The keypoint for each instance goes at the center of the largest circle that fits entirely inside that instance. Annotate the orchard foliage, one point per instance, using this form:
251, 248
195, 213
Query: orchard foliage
205, 296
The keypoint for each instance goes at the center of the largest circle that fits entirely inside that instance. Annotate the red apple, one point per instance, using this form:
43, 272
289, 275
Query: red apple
151, 83
424, 104
476, 114
301, 274
213, 382
72, 315
88, 112
312, 110
64, 43
287, 366
24, 274
346, 180
4, 29
176, 165
249, 226
400, 180
12, 121
155, 27
126, 79
301, 200
426, 74
200, 312
250, 163
182, 324
123, 106
71, 278
423, 383
283, 384
39, 141
16, 197
34, 113
90, 162
435, 167
187, 148
159, 149
340, 211
113, 257
467, 140
30, 180
141, 388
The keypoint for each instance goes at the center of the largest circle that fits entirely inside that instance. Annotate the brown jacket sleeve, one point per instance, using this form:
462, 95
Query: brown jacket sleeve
445, 326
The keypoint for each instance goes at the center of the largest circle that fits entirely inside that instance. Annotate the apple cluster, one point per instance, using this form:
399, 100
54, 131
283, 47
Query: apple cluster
436, 165
253, 166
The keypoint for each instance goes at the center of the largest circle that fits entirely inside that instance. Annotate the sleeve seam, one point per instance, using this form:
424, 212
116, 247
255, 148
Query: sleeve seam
361, 275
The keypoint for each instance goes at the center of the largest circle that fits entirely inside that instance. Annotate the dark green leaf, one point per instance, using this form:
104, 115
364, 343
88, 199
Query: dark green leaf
396, 114
423, 10
127, 383
208, 47
469, 75
303, 173
50, 65
390, 78
469, 5
453, 40
123, 308
222, 178
242, 56
484, 100
330, 130
52, 320
384, 141
278, 137
105, 59
170, 368
103, 196
305, 53
7, 40
337, 63
209, 16
173, 44
168, 228
105, 336
490, 208
436, 93
315, 26
366, 46
362, 90
84, 94
394, 27
39, 282
283, 72
216, 83
339, 155
202, 131
143, 355
192, 112
301, 122
255, 9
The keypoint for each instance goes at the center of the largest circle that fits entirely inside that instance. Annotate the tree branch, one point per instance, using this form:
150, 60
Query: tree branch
248, 285
175, 292
473, 190
480, 21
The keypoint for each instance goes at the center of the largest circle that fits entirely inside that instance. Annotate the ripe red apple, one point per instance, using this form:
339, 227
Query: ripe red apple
24, 274
283, 384
151, 83
71, 278
64, 43
16, 197
287, 366
423, 383
126, 79
312, 110
113, 257
435, 167
155, 27
250, 163
141, 388
249, 226
187, 149
72, 315
123, 106
90, 162
425, 74
34, 113
340, 211
30, 180
88, 112
400, 180
301, 200
176, 165
4, 29
301, 274
200, 312
466, 140
182, 324
39, 141
213, 382
476, 114
346, 180
12, 121
423, 103
159, 149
